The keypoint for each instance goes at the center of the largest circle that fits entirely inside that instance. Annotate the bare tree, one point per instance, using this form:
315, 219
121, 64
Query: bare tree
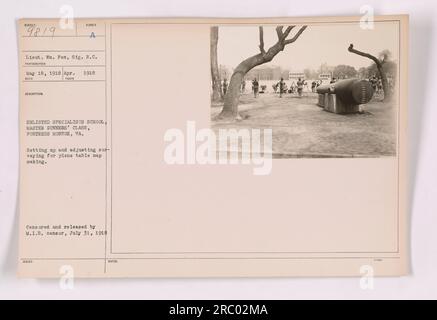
230, 108
384, 56
215, 74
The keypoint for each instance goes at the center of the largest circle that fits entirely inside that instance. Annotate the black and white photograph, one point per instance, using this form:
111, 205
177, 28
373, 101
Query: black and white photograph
326, 90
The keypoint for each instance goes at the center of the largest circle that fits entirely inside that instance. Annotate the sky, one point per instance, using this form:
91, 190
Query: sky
317, 44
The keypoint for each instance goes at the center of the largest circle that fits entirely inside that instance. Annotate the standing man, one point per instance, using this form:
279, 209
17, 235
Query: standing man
293, 87
380, 86
300, 84
281, 87
225, 86
373, 82
255, 87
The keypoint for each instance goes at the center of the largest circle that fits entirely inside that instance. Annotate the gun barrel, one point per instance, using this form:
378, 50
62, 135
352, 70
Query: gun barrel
351, 91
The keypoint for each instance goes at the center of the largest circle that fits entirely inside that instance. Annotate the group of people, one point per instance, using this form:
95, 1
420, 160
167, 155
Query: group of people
295, 87
255, 87
281, 86
315, 84
377, 86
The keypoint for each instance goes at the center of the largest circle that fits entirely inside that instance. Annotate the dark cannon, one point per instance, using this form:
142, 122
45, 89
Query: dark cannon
345, 96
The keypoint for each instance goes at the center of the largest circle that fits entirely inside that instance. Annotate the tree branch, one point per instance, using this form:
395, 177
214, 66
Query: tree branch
287, 31
296, 36
379, 63
279, 32
261, 40
364, 54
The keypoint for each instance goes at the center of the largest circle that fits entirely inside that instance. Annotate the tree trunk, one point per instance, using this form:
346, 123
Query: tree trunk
379, 65
230, 107
215, 74
385, 87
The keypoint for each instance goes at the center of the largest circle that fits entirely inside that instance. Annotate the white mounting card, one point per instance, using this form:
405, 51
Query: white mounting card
213, 147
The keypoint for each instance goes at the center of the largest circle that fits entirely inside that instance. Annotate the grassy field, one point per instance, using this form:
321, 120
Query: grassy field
302, 129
